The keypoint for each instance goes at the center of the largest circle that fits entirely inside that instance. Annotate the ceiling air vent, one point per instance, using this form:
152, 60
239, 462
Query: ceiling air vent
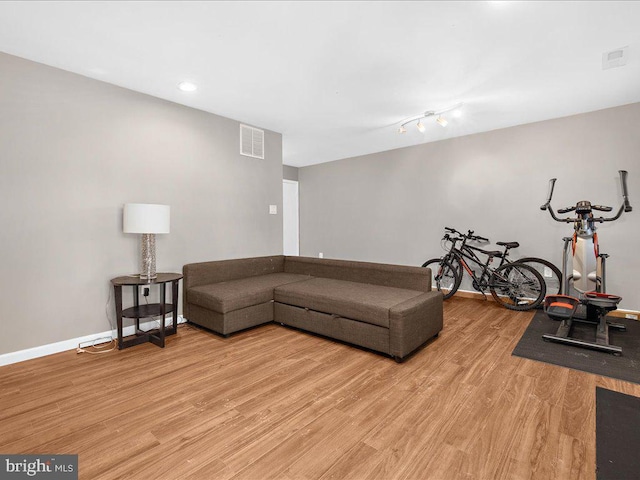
615, 58
251, 142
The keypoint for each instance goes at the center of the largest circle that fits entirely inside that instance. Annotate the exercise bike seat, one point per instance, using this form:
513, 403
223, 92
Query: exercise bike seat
508, 244
560, 307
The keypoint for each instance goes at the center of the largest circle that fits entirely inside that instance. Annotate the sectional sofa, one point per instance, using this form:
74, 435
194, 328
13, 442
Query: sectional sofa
390, 309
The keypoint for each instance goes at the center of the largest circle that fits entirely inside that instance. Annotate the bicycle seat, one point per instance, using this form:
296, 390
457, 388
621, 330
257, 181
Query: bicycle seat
508, 244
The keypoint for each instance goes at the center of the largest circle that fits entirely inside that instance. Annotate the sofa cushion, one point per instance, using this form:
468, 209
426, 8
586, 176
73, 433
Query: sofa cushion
358, 301
228, 296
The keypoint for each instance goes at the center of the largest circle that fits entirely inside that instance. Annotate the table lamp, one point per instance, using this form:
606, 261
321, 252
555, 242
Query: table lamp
148, 220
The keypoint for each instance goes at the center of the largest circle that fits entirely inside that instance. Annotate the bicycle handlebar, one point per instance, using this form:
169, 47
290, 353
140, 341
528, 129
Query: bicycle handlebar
469, 235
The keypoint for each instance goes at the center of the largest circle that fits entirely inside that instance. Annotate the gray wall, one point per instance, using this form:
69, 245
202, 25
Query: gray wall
290, 173
72, 151
393, 206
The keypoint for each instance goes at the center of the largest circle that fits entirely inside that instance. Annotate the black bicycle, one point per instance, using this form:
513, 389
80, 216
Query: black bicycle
514, 285
551, 274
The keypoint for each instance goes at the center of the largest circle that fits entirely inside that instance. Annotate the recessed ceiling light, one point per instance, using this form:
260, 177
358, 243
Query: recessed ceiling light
187, 86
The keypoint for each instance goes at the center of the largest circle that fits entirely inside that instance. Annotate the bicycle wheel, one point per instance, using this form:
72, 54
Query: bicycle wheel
444, 276
517, 286
551, 274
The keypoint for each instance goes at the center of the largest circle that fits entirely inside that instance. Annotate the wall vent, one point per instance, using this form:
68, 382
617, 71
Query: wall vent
251, 141
615, 58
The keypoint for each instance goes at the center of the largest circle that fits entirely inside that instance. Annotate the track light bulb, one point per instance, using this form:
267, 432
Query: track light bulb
420, 127
402, 129
187, 86
442, 121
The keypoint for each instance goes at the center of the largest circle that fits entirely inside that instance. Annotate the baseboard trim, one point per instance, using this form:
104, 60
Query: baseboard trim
72, 344
474, 295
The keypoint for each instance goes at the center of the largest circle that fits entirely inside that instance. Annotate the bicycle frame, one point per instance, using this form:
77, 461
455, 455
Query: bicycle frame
480, 283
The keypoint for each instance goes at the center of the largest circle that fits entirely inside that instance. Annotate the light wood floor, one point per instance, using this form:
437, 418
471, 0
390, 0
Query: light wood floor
277, 403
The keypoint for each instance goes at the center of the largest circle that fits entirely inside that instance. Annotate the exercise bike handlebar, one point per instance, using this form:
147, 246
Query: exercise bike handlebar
625, 207
547, 205
625, 193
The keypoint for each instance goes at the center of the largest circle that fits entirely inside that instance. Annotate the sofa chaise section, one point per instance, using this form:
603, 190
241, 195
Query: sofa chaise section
227, 296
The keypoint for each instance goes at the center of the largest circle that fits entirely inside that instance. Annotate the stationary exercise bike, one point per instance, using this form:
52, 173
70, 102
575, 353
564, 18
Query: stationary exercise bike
587, 277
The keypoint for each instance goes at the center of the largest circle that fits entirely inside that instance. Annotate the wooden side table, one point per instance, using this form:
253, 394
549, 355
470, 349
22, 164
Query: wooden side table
155, 336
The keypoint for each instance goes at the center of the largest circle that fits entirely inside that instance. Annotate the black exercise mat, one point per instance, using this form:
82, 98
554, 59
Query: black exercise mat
625, 367
617, 435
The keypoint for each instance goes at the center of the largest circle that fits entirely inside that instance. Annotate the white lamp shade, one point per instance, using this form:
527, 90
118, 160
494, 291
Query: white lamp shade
146, 218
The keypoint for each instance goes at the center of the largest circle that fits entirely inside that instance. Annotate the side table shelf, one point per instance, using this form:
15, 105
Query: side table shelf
137, 311
150, 310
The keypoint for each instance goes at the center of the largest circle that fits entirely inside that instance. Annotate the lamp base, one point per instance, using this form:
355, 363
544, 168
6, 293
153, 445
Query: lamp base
148, 244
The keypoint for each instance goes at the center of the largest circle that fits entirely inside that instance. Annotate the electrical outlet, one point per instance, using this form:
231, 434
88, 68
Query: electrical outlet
321, 255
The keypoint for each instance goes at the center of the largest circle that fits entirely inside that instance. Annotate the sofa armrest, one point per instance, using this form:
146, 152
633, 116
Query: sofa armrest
413, 322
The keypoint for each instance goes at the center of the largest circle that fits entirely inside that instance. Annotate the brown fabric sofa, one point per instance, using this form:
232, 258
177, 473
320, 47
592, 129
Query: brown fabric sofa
386, 308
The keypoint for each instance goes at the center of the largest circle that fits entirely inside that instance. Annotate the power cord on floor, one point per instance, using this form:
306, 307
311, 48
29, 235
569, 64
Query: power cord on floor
99, 346
102, 344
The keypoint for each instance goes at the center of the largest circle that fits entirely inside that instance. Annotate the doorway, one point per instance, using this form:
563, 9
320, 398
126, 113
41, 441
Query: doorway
290, 218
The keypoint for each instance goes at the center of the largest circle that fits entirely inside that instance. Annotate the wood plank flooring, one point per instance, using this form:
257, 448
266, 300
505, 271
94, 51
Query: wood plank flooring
275, 403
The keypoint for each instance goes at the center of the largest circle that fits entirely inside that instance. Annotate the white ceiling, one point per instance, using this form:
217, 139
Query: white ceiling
337, 78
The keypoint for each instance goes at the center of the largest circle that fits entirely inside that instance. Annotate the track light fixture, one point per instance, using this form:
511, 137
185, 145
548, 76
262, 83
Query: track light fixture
440, 120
